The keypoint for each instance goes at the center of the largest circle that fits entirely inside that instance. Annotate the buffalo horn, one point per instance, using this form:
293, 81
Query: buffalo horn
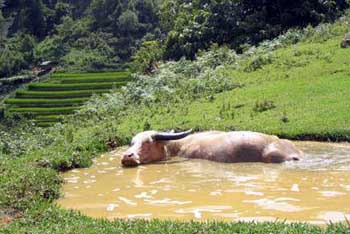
165, 136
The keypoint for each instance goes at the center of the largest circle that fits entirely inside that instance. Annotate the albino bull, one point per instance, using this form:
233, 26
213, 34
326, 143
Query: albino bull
228, 147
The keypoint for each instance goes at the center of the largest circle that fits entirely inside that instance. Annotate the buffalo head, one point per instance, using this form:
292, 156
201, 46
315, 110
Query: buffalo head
148, 146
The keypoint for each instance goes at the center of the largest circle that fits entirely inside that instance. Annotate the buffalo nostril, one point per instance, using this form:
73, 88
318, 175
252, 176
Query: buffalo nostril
129, 155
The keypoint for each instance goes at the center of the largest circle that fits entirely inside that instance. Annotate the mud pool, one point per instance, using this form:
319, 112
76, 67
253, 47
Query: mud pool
315, 189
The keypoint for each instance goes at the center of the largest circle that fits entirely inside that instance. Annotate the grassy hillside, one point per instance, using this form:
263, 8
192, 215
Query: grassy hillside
63, 94
295, 86
301, 93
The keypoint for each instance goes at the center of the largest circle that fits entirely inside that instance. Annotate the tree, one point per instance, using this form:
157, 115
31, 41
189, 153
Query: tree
197, 24
146, 58
2, 21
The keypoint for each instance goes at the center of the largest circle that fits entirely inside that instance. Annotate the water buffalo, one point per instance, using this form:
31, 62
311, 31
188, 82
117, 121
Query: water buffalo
228, 147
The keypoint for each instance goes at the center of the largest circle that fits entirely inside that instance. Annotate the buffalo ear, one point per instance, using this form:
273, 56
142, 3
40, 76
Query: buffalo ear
166, 136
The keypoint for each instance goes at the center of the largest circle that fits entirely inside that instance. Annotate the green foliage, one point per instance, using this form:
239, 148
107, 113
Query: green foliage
84, 60
49, 49
16, 54
185, 79
197, 24
2, 21
258, 61
101, 35
147, 57
82, 35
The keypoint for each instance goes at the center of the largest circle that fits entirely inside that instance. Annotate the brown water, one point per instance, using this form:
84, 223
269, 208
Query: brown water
315, 189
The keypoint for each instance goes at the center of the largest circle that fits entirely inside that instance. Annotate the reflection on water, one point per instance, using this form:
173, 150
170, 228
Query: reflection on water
315, 189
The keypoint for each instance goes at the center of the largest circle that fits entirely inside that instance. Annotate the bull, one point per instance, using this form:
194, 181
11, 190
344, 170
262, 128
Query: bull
228, 147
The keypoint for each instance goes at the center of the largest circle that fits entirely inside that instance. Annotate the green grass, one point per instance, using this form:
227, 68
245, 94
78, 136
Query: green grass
305, 90
97, 74
45, 124
46, 219
91, 80
59, 94
45, 102
48, 118
68, 87
43, 111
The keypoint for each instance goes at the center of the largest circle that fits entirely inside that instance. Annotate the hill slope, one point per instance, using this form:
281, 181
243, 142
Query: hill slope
302, 93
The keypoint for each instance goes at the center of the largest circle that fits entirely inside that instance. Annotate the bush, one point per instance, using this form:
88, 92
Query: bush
185, 79
16, 54
51, 48
264, 106
258, 61
146, 58
85, 60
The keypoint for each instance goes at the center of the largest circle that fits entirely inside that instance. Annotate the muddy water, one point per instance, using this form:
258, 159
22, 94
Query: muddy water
315, 189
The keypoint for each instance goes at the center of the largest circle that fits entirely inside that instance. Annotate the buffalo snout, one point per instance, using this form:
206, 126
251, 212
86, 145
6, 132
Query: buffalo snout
130, 160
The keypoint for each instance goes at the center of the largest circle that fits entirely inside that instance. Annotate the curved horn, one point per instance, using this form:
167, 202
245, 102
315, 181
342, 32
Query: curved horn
164, 136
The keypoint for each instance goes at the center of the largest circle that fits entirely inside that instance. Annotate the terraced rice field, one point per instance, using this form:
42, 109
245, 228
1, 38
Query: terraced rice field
62, 94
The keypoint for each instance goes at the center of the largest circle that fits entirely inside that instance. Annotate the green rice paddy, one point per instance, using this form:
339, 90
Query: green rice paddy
62, 94
59, 94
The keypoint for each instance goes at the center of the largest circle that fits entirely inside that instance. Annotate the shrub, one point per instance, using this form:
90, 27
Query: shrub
147, 57
264, 106
258, 61
50, 49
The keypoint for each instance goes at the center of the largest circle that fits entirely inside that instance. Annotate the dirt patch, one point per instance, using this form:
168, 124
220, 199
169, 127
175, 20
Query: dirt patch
6, 217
